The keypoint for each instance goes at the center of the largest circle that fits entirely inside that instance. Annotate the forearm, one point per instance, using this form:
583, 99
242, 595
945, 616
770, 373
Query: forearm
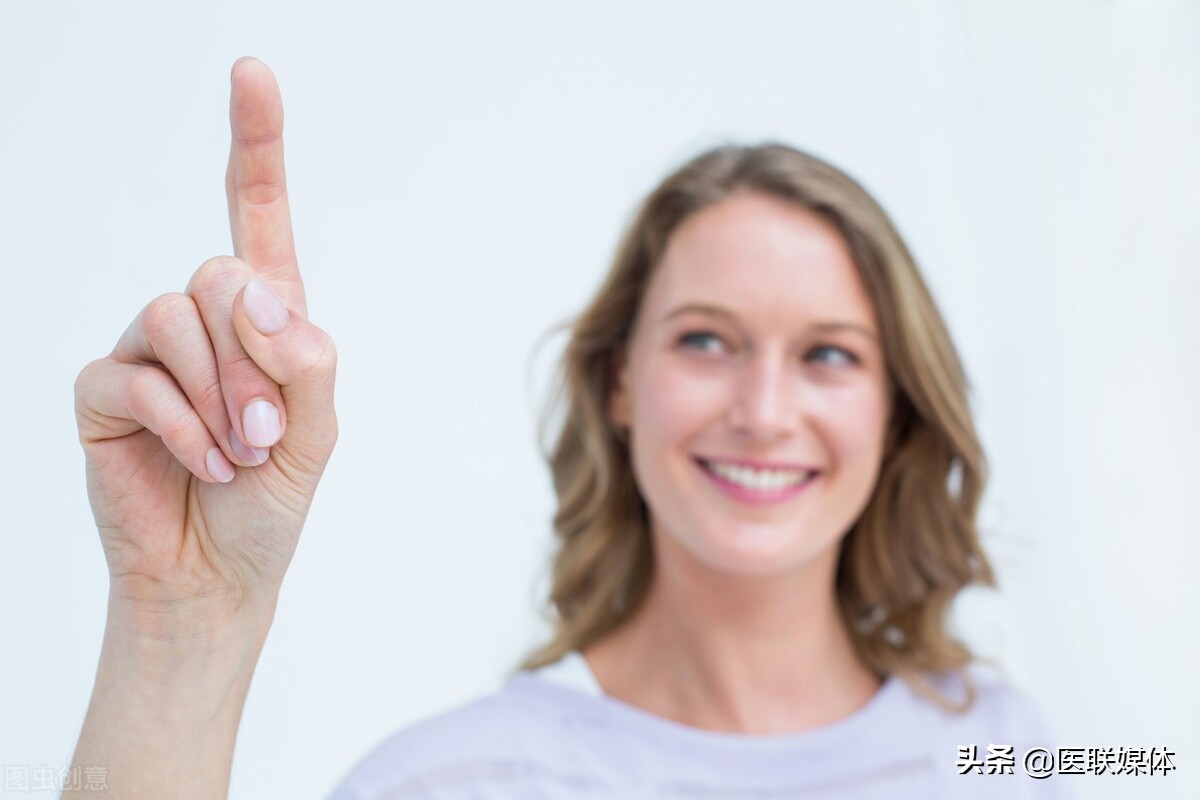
164, 714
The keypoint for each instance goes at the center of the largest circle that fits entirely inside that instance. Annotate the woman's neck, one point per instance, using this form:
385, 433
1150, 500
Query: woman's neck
732, 653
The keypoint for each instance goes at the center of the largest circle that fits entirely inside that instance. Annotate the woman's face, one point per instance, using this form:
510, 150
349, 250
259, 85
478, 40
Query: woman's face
755, 344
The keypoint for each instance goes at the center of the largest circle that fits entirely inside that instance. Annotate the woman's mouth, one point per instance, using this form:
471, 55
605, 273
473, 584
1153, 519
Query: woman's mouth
752, 485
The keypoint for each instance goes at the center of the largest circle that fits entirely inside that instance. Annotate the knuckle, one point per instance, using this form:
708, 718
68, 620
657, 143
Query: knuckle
144, 386
153, 403
83, 380
245, 370
85, 388
241, 360
217, 272
321, 358
164, 313
176, 426
143, 391
245, 378
209, 395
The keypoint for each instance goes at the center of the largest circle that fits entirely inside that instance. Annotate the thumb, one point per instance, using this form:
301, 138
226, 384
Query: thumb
298, 356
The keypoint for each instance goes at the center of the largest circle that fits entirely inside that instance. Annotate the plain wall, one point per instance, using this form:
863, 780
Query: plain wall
459, 175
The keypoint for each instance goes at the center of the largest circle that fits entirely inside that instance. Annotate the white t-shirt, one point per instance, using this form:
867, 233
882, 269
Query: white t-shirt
553, 733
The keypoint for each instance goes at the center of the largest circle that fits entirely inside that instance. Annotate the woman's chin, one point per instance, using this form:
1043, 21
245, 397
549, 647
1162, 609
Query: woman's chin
762, 553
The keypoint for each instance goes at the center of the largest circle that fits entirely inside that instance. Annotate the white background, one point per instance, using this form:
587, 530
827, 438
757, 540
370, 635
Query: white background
459, 175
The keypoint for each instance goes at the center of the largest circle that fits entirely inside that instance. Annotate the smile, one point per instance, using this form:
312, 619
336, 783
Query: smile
757, 485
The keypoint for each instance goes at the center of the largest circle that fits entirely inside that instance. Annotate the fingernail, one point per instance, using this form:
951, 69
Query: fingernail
251, 456
260, 423
233, 69
218, 465
267, 312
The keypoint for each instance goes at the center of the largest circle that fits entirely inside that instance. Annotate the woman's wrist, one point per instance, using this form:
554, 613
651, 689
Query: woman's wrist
197, 621
185, 652
170, 688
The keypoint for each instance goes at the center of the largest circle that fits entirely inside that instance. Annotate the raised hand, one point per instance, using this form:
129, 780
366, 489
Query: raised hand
207, 428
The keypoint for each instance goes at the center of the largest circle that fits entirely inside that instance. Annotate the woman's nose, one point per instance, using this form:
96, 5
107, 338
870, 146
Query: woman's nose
766, 399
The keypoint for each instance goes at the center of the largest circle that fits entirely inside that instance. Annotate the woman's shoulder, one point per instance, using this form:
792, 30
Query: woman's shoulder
468, 743
997, 707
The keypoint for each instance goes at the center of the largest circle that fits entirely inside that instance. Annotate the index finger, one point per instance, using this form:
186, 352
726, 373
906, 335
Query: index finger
255, 184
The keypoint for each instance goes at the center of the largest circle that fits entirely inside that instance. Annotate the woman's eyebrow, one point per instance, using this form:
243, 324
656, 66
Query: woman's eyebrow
852, 327
718, 311
698, 308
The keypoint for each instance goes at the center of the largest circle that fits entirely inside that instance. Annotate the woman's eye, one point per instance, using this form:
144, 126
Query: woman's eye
702, 340
828, 354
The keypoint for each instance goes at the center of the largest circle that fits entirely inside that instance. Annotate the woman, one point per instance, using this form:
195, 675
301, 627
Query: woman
767, 477
767, 480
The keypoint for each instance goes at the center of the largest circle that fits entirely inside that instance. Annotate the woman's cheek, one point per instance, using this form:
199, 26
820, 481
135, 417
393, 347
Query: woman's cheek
673, 399
864, 421
853, 418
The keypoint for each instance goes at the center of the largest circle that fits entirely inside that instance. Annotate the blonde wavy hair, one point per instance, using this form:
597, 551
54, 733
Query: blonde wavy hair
914, 547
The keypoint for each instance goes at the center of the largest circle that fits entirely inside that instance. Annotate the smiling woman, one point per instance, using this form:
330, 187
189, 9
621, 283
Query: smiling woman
784, 259
768, 477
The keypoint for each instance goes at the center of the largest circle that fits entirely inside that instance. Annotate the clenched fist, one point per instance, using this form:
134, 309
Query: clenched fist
207, 428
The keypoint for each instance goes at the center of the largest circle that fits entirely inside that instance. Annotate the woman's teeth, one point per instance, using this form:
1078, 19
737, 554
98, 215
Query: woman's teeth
763, 480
